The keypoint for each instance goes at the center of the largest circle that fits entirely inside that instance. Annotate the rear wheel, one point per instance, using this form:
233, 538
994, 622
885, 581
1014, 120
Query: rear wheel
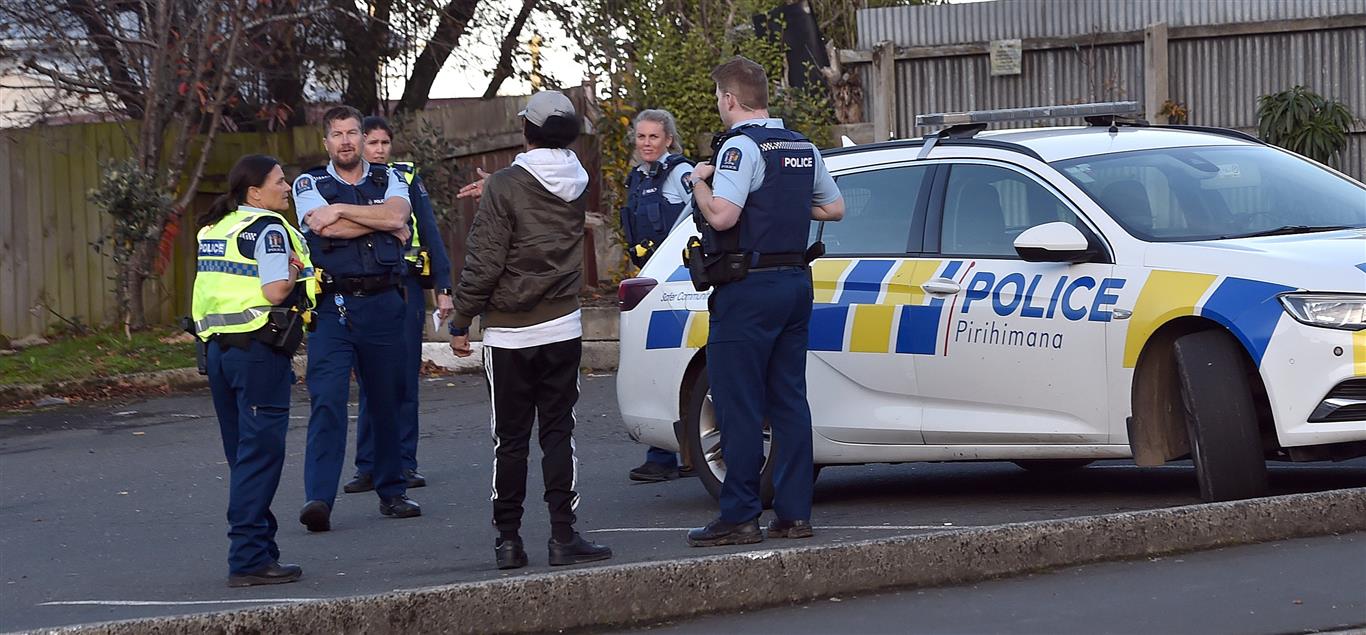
1052, 465
704, 443
1221, 416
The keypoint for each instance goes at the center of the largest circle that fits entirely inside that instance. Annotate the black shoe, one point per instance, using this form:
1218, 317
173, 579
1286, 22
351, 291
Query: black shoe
577, 551
316, 516
654, 473
509, 554
686, 472
415, 479
273, 573
780, 528
400, 506
719, 532
363, 482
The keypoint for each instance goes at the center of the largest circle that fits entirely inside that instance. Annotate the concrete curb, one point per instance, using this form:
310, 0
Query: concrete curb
650, 592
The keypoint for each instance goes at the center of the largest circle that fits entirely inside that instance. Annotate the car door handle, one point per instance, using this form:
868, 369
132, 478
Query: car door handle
941, 286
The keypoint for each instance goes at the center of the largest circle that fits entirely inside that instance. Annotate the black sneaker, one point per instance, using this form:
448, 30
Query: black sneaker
509, 554
273, 573
780, 528
316, 516
363, 482
577, 551
400, 507
414, 478
719, 532
653, 473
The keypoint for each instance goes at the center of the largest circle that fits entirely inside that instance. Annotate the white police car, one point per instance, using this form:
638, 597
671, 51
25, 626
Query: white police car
1051, 297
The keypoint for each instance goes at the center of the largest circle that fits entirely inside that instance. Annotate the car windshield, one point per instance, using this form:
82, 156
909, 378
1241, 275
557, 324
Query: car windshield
1212, 193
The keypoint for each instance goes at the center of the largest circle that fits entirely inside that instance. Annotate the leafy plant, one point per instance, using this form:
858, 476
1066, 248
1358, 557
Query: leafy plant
139, 203
1303, 121
431, 150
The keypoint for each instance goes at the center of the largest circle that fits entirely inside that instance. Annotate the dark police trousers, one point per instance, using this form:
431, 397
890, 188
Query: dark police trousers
414, 319
251, 397
371, 341
541, 384
756, 364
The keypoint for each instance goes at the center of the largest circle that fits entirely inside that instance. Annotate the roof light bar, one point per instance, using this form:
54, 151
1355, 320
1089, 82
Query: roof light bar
1026, 114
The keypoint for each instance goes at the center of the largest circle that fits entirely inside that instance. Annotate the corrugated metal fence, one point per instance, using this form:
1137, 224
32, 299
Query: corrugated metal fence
1221, 56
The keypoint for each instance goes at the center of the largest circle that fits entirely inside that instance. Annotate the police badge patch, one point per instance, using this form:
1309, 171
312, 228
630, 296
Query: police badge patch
730, 160
304, 184
275, 243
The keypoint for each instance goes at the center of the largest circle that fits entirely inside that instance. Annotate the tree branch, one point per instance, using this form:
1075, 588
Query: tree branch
503, 69
455, 18
106, 46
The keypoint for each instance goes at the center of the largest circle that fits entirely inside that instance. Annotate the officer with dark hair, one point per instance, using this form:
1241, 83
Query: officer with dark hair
356, 215
428, 267
758, 201
252, 293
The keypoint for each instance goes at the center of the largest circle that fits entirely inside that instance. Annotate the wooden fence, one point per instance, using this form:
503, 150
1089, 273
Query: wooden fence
49, 265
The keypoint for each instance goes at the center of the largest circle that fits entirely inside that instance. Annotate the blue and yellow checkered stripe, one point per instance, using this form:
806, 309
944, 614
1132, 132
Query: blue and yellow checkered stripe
861, 306
224, 266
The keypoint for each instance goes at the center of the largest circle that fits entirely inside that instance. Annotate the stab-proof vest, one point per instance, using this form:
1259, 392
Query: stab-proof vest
647, 214
374, 254
776, 219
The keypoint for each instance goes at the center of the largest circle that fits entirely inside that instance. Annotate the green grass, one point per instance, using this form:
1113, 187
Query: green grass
98, 355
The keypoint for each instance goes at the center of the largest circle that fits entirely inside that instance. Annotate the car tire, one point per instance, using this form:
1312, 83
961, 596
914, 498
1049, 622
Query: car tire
1052, 466
1221, 416
699, 420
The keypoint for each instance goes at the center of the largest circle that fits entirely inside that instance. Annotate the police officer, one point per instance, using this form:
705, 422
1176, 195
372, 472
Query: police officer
768, 184
657, 196
251, 294
356, 216
428, 267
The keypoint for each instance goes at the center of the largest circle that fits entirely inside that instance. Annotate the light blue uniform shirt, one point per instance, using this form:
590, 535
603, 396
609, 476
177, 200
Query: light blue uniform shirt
734, 180
307, 198
272, 252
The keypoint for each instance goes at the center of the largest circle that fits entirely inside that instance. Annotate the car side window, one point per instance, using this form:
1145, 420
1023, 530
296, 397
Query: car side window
986, 207
879, 211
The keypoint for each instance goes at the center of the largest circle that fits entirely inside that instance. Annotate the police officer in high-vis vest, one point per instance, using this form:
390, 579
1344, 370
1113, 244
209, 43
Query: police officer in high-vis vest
356, 215
252, 296
428, 267
657, 196
766, 186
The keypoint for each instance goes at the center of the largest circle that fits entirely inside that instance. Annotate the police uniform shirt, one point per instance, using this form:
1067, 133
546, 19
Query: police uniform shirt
272, 252
307, 198
740, 169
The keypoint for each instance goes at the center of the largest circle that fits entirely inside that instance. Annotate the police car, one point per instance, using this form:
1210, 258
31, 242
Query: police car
1053, 296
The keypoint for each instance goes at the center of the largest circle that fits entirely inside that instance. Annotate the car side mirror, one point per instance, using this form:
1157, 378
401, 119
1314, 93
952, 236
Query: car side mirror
1054, 242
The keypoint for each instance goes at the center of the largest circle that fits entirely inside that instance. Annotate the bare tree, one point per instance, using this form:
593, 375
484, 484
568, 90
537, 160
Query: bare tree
503, 69
167, 70
455, 19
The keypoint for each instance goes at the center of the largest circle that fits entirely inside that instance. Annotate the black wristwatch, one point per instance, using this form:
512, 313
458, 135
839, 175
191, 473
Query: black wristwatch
444, 291
458, 331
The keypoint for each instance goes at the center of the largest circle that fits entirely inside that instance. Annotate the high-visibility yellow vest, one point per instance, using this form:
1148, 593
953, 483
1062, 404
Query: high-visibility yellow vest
409, 172
227, 287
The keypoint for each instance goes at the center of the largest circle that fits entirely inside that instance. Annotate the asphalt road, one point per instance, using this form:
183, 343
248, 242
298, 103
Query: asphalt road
1295, 586
113, 511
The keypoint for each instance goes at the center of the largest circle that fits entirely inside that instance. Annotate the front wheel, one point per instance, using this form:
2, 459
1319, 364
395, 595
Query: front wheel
704, 443
1221, 417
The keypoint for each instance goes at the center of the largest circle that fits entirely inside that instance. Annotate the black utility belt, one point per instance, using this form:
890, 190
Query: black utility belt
282, 332
362, 285
774, 261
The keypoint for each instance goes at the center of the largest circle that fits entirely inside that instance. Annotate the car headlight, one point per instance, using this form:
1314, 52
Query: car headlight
1331, 311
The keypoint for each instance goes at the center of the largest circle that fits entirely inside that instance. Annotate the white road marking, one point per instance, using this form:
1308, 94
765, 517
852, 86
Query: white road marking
172, 603
822, 527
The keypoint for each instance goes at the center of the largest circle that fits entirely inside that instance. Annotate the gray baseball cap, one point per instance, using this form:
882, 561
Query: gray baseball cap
547, 104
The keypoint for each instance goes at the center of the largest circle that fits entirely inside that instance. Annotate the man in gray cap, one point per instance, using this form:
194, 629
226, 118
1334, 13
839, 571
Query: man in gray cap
523, 274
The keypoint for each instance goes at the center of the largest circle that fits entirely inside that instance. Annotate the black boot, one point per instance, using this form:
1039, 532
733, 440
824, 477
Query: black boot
400, 507
719, 532
780, 528
576, 551
361, 483
509, 554
273, 573
316, 516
